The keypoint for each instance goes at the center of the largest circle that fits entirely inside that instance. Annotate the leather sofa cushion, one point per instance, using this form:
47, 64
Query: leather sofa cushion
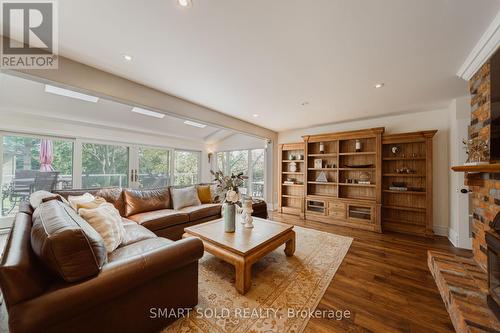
160, 219
140, 201
202, 211
135, 233
138, 248
66, 243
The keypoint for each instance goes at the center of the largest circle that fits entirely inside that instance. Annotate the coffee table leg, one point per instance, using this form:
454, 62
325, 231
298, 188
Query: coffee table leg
290, 245
243, 276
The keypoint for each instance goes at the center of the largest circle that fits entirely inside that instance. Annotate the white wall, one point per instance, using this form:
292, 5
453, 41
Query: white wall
17, 122
435, 119
459, 202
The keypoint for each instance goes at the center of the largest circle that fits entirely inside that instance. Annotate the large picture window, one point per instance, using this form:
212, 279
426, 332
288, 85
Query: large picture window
187, 167
31, 164
104, 165
251, 163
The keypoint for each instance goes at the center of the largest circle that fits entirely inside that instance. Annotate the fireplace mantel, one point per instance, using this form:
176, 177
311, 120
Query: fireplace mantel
488, 168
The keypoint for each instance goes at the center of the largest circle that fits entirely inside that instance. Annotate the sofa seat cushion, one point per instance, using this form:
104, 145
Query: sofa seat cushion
135, 233
160, 219
202, 211
138, 248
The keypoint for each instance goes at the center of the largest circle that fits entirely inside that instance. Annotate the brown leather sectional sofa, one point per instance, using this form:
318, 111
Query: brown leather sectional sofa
91, 291
153, 209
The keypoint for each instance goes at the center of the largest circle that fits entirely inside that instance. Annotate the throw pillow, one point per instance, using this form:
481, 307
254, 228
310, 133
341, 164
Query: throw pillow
106, 220
204, 194
36, 198
184, 197
74, 200
90, 204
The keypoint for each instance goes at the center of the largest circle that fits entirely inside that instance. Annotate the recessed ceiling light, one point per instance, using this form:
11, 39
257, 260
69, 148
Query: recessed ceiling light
195, 124
127, 57
148, 112
379, 85
255, 115
70, 93
185, 3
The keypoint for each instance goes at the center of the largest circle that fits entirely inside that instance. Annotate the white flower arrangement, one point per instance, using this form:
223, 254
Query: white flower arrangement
228, 186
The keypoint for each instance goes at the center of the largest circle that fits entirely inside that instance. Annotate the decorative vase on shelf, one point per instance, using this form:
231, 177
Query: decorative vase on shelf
229, 217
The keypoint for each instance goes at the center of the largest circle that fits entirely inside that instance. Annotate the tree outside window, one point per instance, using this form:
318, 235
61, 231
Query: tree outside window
187, 167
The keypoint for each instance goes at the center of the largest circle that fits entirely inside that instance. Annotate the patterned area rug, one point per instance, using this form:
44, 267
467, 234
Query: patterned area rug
284, 289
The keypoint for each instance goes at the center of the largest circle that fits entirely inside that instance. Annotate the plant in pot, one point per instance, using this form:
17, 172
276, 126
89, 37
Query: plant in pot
228, 191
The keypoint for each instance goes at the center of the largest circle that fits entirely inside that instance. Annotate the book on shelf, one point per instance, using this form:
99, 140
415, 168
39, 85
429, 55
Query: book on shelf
288, 182
398, 188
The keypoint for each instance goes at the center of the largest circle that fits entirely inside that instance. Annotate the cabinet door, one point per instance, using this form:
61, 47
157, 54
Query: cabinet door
337, 210
362, 213
316, 206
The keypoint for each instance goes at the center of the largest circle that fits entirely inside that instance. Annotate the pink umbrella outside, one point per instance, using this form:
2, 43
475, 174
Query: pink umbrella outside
46, 155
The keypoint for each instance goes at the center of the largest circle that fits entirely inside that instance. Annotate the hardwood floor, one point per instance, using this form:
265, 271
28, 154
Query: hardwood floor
384, 282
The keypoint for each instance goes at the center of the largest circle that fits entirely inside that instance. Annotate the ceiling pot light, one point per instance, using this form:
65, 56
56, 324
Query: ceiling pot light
127, 57
255, 115
379, 85
195, 124
70, 93
185, 3
148, 112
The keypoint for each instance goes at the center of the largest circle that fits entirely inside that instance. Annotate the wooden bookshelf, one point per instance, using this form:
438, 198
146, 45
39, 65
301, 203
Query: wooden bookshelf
344, 199
410, 167
291, 196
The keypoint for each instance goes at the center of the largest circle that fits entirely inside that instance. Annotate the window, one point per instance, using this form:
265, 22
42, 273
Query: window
187, 167
30, 164
154, 167
251, 163
104, 165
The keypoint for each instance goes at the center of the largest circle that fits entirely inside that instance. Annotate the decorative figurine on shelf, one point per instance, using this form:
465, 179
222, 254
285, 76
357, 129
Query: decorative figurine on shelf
321, 148
477, 151
292, 167
318, 163
291, 157
395, 150
246, 217
228, 191
322, 177
358, 146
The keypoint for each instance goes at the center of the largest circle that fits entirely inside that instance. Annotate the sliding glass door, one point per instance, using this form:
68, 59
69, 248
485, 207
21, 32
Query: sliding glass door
154, 167
29, 164
104, 165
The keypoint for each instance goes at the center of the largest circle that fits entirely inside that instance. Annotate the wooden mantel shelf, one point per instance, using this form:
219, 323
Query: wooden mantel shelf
477, 168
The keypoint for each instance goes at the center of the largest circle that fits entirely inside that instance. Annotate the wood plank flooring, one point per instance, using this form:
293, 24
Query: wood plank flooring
384, 282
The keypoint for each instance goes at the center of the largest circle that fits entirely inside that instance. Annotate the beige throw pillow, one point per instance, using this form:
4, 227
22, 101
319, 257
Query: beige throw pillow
75, 200
90, 204
184, 197
106, 220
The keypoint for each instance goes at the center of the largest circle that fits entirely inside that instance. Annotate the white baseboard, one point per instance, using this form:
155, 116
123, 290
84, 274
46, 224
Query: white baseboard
453, 237
441, 230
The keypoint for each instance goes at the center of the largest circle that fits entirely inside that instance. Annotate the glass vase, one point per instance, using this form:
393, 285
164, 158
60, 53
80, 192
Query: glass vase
229, 217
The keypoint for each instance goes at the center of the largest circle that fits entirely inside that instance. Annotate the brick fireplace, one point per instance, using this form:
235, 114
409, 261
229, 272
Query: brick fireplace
463, 281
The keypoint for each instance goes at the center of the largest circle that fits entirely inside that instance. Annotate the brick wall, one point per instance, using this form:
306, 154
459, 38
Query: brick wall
486, 189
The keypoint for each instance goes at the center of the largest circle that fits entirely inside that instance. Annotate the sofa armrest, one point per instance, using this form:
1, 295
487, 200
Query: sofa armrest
115, 279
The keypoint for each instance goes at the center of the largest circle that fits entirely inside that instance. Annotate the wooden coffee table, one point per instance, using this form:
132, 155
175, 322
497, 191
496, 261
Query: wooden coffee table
245, 246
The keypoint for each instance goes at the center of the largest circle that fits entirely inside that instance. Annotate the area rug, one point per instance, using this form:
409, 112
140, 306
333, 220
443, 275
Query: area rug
284, 293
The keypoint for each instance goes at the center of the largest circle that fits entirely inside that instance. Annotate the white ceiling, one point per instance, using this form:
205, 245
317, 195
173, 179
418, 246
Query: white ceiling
27, 97
267, 57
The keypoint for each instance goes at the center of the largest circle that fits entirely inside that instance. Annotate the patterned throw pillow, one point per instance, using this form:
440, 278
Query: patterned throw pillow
75, 200
106, 220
